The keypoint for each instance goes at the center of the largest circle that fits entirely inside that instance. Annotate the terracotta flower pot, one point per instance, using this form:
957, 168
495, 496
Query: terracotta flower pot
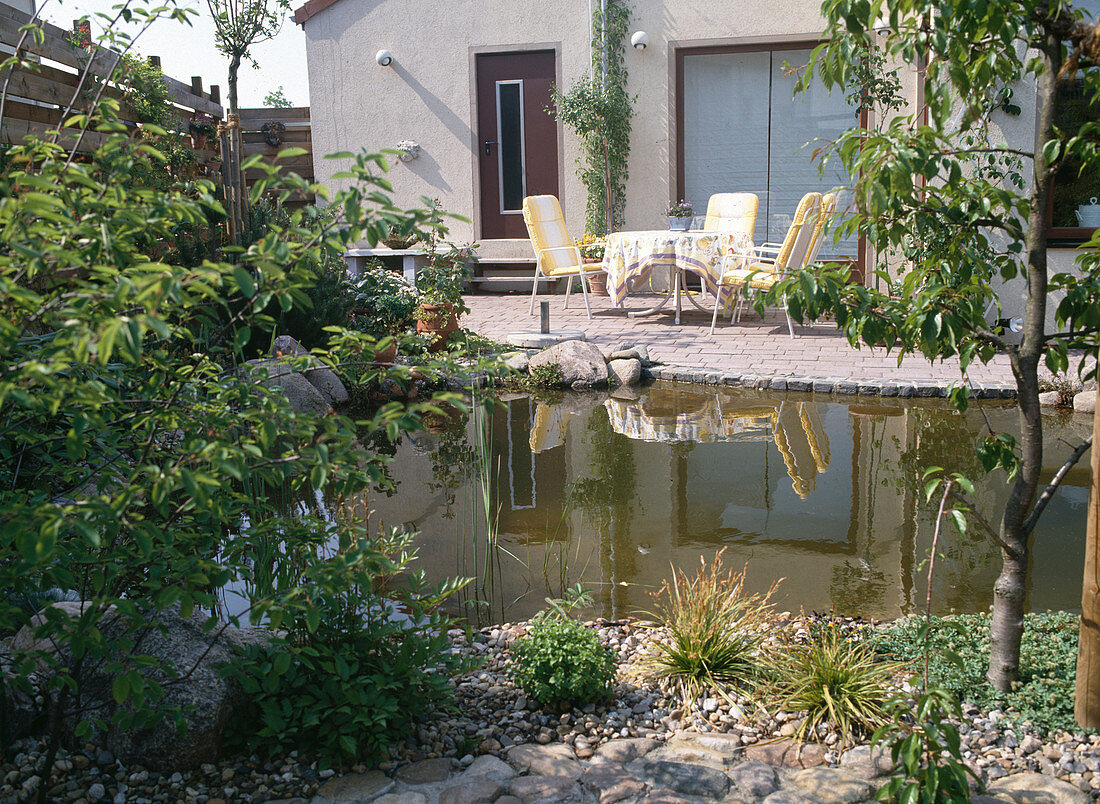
439, 320
598, 283
387, 355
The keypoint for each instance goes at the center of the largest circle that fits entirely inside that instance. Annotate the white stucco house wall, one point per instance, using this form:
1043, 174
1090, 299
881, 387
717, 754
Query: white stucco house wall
714, 110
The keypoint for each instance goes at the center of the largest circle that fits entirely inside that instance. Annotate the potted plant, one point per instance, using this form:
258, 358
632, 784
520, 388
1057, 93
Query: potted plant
201, 127
679, 215
397, 239
592, 250
440, 284
383, 305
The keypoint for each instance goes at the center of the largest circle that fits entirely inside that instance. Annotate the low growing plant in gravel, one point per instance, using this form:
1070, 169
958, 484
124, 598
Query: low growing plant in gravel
926, 751
835, 678
714, 631
561, 661
958, 649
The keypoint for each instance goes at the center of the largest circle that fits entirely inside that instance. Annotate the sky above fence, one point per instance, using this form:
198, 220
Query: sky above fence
189, 50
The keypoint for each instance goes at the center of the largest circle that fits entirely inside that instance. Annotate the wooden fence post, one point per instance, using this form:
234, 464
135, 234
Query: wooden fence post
1086, 710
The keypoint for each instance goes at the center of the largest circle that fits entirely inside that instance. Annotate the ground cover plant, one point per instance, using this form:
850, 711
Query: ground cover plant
958, 654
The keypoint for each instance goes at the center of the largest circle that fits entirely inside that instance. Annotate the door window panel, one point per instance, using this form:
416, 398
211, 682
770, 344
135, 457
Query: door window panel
510, 137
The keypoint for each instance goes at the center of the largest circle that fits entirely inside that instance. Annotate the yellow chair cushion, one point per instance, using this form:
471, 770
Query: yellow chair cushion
762, 275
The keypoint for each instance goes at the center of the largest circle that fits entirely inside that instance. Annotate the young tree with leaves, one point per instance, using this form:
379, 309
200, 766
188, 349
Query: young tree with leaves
966, 212
240, 24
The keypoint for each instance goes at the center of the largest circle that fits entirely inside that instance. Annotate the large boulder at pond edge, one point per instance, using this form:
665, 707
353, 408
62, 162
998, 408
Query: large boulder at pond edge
206, 699
582, 363
299, 392
320, 376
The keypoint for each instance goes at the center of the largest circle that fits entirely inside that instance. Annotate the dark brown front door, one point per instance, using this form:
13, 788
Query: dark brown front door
517, 139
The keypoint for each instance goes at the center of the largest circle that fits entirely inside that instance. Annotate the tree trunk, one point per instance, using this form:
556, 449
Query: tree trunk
234, 66
1010, 590
1086, 710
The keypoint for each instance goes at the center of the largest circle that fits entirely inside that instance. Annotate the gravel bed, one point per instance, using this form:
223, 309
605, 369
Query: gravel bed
491, 714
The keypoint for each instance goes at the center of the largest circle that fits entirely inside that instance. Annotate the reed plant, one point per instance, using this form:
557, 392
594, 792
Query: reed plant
714, 632
835, 678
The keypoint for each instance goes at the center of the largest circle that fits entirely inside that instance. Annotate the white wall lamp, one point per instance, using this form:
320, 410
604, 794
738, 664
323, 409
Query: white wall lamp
384, 58
639, 40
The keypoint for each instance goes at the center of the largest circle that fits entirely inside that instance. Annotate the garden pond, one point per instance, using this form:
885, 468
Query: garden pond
613, 490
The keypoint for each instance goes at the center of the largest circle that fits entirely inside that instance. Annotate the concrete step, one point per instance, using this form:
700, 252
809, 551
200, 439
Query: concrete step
491, 250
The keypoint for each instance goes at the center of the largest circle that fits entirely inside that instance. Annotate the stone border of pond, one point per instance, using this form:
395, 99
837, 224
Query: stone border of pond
841, 386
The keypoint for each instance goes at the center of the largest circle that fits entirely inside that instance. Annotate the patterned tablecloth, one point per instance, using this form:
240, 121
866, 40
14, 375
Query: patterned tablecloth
630, 256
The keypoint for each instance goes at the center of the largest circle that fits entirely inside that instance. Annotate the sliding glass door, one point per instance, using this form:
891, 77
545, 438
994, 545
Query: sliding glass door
743, 130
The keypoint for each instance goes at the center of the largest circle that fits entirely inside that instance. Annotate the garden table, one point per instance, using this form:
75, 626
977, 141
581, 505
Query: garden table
629, 258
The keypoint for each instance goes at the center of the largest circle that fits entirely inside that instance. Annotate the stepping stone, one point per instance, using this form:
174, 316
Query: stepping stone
479, 791
612, 783
664, 797
426, 771
353, 788
1035, 788
623, 751
787, 754
787, 797
833, 786
862, 762
755, 777
549, 760
538, 789
489, 766
408, 797
688, 780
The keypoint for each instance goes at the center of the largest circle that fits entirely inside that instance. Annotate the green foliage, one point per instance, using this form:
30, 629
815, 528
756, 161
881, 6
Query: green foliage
560, 661
547, 375
714, 631
835, 678
276, 99
958, 655
139, 465
356, 682
598, 110
381, 302
926, 750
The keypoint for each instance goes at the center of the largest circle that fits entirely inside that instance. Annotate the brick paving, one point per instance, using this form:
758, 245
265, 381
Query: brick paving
750, 347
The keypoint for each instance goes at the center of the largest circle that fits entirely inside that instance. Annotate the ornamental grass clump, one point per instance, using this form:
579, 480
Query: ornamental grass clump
837, 679
714, 632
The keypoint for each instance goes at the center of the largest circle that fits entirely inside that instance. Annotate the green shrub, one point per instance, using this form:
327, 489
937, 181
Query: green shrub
835, 678
958, 657
562, 661
926, 751
357, 682
714, 631
381, 302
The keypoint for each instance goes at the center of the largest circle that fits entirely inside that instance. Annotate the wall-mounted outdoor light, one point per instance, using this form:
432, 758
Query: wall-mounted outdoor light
639, 40
384, 58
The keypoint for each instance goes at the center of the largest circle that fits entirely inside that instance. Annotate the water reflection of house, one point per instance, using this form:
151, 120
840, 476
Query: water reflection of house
825, 495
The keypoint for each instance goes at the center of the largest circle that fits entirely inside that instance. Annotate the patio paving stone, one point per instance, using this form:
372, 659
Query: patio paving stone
752, 353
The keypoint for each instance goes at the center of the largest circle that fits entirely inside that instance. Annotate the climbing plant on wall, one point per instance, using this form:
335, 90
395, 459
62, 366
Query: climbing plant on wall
598, 109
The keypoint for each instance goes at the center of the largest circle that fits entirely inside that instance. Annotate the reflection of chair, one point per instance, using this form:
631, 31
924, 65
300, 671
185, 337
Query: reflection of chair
798, 434
761, 272
548, 430
732, 212
556, 255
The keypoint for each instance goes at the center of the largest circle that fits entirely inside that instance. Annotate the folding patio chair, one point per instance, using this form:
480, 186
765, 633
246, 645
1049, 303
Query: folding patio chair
556, 254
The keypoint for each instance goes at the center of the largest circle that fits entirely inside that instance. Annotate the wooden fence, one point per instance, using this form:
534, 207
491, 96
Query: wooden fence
38, 97
269, 131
